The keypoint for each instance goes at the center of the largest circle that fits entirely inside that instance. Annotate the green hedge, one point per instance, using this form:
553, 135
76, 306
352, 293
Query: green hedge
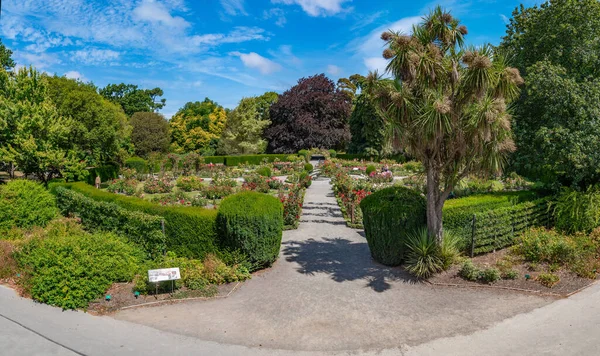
253, 159
145, 230
106, 173
498, 219
252, 223
190, 231
137, 163
214, 159
25, 204
389, 215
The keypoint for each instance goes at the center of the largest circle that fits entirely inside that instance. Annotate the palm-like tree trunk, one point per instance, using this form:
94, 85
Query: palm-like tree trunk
435, 204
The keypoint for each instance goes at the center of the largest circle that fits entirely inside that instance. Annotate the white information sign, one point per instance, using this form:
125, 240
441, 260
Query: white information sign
163, 274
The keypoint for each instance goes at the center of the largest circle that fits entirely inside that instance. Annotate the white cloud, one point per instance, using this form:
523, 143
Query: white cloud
256, 61
234, 7
155, 12
75, 75
95, 56
333, 69
285, 54
277, 14
370, 47
366, 20
317, 7
505, 19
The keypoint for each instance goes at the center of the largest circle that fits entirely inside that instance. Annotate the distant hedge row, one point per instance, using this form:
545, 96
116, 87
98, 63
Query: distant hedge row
352, 156
106, 173
190, 231
141, 165
140, 228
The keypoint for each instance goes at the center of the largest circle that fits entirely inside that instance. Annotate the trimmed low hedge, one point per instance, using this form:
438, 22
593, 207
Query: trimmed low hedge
498, 219
252, 223
214, 159
143, 229
106, 173
389, 215
190, 231
253, 159
25, 204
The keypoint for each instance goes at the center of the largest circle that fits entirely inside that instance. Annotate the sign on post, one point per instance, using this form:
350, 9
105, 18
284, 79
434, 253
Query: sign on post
163, 274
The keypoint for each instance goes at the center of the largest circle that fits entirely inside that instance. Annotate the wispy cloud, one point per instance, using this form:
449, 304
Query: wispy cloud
317, 7
94, 56
234, 7
75, 75
284, 54
256, 61
277, 14
333, 69
366, 20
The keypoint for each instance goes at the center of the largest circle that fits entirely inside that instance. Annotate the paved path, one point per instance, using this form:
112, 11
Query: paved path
323, 296
326, 293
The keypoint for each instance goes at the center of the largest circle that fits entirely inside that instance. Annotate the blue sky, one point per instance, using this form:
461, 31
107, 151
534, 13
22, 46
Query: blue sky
221, 49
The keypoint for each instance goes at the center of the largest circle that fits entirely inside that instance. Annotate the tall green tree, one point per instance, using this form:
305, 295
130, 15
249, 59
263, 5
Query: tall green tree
557, 45
367, 127
133, 99
6, 60
447, 107
35, 136
150, 133
244, 129
100, 128
197, 127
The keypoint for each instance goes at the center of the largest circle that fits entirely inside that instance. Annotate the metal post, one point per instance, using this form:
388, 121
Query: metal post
473, 237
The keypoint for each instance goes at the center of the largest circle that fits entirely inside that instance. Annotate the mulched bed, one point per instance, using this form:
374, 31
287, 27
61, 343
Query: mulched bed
122, 296
569, 282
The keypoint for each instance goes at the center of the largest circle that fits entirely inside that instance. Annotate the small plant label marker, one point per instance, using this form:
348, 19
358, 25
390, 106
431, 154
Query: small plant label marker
164, 274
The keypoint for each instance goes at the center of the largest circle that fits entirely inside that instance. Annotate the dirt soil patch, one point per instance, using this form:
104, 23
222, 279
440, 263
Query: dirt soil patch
122, 296
569, 282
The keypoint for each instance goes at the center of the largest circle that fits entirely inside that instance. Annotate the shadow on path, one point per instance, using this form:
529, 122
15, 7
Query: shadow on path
343, 260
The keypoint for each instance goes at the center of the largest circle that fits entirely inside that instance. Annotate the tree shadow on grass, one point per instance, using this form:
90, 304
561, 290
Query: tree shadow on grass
344, 261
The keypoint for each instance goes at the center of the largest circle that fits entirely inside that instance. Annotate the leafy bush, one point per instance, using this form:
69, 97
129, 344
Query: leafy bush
213, 192
577, 211
305, 154
510, 274
275, 183
332, 153
422, 255
490, 275
448, 251
106, 173
190, 231
264, 171
548, 279
189, 183
469, 271
137, 163
542, 245
123, 186
157, 186
252, 223
140, 228
292, 205
388, 216
370, 169
308, 167
254, 159
25, 204
66, 267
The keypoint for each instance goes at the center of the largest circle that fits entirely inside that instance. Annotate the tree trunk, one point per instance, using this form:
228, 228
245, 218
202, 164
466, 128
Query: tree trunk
435, 203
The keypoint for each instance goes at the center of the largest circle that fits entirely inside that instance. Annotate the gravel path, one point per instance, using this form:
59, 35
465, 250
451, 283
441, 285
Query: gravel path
326, 293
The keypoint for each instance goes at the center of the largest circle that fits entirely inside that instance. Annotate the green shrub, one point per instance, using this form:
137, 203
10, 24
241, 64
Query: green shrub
490, 275
252, 223
422, 255
106, 173
214, 159
469, 271
542, 245
510, 274
189, 183
143, 229
548, 279
388, 216
157, 186
24, 204
577, 211
370, 169
190, 231
448, 251
332, 153
264, 171
305, 154
254, 159
67, 267
308, 167
137, 163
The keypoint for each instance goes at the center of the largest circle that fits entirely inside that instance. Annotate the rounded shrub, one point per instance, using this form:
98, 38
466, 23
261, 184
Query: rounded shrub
370, 169
332, 153
24, 204
389, 217
264, 171
305, 154
137, 163
251, 223
308, 167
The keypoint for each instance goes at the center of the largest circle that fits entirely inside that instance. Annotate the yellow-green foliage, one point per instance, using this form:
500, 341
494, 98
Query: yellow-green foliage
24, 203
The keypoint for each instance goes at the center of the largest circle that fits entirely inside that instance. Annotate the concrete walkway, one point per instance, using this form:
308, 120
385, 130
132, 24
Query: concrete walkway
326, 293
324, 296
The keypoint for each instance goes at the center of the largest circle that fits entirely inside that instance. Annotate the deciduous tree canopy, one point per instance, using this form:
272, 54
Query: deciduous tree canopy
150, 133
197, 127
133, 99
312, 114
